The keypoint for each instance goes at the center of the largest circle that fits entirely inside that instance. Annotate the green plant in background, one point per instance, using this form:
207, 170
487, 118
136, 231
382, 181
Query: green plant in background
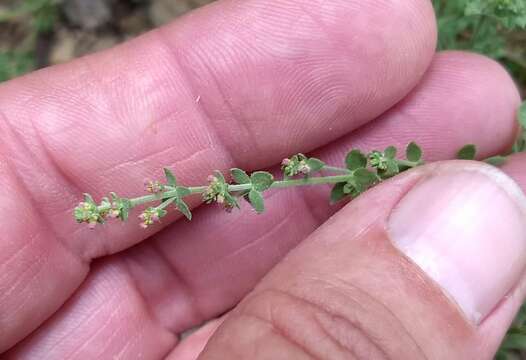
14, 63
41, 16
496, 28
515, 340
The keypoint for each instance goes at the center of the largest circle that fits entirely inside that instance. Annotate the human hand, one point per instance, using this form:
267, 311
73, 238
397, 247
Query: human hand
246, 83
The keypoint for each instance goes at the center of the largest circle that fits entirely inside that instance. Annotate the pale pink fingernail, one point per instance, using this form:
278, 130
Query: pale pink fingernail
465, 226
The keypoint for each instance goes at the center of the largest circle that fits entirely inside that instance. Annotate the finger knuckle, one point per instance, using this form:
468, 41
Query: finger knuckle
331, 324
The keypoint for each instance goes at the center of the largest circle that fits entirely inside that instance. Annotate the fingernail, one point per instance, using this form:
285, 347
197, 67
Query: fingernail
465, 227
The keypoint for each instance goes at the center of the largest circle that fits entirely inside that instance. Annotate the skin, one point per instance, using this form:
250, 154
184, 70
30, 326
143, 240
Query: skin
244, 84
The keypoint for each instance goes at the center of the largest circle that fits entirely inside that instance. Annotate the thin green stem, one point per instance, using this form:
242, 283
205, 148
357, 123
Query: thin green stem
165, 203
171, 194
312, 181
410, 164
336, 169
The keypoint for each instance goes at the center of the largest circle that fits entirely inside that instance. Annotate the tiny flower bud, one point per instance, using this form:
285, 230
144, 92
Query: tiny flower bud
211, 178
285, 162
153, 187
304, 169
143, 225
220, 199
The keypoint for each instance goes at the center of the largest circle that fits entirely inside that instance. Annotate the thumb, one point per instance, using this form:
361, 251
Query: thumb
425, 266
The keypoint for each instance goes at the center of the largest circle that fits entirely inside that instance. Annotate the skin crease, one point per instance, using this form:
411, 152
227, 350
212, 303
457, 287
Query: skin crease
293, 92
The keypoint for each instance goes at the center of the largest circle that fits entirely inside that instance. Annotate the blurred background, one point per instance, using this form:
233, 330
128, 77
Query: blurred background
39, 33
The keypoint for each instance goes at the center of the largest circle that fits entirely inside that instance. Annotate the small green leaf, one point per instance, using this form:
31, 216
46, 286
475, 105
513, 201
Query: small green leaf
355, 160
496, 160
315, 164
468, 152
182, 191
413, 152
88, 199
522, 115
240, 176
170, 177
256, 199
365, 177
261, 180
337, 193
390, 152
183, 208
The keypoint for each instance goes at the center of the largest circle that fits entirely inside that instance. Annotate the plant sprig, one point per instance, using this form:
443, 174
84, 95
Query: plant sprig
360, 172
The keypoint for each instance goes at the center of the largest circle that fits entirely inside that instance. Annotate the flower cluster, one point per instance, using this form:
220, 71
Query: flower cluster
217, 191
378, 160
153, 186
89, 212
296, 165
150, 216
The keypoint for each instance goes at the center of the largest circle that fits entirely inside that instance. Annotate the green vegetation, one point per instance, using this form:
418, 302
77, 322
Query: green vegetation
39, 17
496, 28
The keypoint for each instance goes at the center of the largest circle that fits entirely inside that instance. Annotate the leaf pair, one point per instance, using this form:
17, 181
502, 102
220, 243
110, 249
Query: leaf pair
360, 181
180, 191
259, 181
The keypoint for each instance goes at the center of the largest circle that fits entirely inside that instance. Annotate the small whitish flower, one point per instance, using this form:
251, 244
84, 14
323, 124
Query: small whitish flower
153, 186
379, 160
150, 216
304, 168
114, 213
215, 190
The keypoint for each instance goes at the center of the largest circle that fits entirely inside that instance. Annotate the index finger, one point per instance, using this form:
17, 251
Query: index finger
238, 83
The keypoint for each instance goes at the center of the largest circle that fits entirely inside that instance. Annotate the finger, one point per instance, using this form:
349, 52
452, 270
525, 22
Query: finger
445, 244
191, 273
197, 95
293, 88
